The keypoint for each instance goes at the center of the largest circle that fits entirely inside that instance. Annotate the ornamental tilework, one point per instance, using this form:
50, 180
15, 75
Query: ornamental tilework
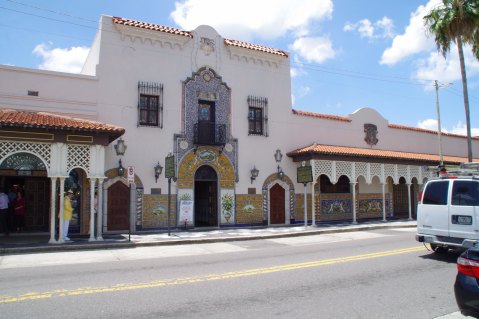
155, 213
248, 209
300, 207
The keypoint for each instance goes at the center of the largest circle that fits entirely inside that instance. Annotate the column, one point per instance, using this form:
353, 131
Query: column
53, 211
353, 188
99, 213
409, 200
383, 186
313, 208
62, 199
92, 209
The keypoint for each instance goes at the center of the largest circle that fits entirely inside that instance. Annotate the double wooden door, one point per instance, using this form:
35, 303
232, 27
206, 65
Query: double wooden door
118, 202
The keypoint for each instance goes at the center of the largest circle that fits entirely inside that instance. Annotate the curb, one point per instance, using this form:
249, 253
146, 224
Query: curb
175, 242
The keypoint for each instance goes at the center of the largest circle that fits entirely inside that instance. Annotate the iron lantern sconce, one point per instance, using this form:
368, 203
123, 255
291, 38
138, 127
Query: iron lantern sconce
277, 157
121, 169
120, 147
158, 169
254, 174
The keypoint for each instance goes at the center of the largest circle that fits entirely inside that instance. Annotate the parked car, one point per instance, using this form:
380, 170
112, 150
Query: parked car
466, 287
448, 211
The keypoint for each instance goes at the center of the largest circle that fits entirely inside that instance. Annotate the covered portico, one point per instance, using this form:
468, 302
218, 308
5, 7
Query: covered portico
373, 176
60, 144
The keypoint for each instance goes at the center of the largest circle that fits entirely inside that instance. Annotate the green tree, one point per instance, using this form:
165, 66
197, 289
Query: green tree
456, 21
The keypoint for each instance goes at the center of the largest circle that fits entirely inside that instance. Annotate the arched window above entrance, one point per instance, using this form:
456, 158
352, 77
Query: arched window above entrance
23, 161
205, 173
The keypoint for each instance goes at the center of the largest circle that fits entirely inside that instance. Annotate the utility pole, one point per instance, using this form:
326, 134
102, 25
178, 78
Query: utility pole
436, 85
439, 134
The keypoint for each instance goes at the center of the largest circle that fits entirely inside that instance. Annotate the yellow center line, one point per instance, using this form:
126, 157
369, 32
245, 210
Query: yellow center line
204, 278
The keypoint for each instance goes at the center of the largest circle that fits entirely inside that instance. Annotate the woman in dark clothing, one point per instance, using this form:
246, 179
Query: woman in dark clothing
20, 211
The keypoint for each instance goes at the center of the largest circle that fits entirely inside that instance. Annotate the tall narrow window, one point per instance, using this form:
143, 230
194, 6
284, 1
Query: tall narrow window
150, 104
257, 115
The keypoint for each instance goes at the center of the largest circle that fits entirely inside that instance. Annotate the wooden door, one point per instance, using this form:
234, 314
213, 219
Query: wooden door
37, 195
400, 202
277, 200
118, 207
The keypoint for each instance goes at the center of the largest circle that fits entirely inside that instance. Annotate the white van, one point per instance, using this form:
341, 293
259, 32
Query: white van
448, 212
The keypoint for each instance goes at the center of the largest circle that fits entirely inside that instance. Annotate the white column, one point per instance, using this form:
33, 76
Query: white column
409, 200
99, 213
353, 187
383, 186
313, 207
305, 205
62, 199
92, 209
53, 211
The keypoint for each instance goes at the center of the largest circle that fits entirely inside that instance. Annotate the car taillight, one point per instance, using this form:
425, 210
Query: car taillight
468, 267
419, 199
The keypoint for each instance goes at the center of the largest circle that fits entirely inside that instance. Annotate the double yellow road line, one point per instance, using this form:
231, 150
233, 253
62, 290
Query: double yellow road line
204, 278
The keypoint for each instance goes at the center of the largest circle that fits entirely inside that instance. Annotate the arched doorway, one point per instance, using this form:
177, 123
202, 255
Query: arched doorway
118, 195
26, 173
400, 199
206, 197
277, 202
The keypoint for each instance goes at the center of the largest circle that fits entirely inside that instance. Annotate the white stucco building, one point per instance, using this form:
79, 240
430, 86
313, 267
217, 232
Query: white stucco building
222, 108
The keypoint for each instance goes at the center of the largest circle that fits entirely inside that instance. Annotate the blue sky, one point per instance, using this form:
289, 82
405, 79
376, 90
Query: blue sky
345, 54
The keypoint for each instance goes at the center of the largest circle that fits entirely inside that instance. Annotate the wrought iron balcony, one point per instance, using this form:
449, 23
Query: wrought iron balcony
209, 134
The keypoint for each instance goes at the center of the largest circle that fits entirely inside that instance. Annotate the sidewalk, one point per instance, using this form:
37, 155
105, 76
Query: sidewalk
38, 242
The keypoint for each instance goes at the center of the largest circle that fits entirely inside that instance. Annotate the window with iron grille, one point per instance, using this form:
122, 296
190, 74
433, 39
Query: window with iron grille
257, 115
150, 104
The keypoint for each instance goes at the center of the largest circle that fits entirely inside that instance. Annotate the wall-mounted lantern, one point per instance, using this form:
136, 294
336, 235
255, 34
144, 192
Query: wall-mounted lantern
254, 174
158, 169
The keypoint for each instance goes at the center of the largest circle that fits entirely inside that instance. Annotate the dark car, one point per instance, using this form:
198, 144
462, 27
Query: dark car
466, 287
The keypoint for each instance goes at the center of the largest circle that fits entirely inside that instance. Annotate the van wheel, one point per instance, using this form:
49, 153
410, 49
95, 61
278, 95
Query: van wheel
439, 249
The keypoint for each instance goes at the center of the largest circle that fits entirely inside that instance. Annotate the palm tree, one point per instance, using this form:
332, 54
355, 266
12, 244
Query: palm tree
456, 21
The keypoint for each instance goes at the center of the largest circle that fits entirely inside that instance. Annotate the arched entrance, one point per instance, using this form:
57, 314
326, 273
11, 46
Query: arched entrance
26, 173
118, 195
206, 197
400, 199
277, 203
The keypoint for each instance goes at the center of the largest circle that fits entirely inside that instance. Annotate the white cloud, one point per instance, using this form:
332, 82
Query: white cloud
413, 40
436, 67
244, 20
459, 128
380, 29
428, 124
314, 49
63, 60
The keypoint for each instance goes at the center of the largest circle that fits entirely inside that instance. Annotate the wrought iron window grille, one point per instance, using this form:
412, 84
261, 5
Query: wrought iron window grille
150, 104
258, 115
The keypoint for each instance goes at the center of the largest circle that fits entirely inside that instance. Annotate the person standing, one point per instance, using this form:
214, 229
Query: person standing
4, 212
20, 211
67, 213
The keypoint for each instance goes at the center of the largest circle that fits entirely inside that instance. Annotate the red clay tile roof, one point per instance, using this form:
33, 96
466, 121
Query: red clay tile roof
322, 116
156, 27
372, 153
151, 26
15, 118
256, 47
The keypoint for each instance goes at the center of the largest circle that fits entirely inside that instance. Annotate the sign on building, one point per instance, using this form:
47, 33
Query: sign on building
131, 174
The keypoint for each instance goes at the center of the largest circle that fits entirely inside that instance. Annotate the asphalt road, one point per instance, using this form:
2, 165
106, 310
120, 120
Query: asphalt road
366, 274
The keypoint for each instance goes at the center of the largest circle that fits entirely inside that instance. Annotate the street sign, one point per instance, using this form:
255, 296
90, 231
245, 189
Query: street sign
305, 174
131, 174
170, 166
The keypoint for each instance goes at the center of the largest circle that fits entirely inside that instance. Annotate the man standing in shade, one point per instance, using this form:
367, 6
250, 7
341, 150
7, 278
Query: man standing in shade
4, 212
67, 213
